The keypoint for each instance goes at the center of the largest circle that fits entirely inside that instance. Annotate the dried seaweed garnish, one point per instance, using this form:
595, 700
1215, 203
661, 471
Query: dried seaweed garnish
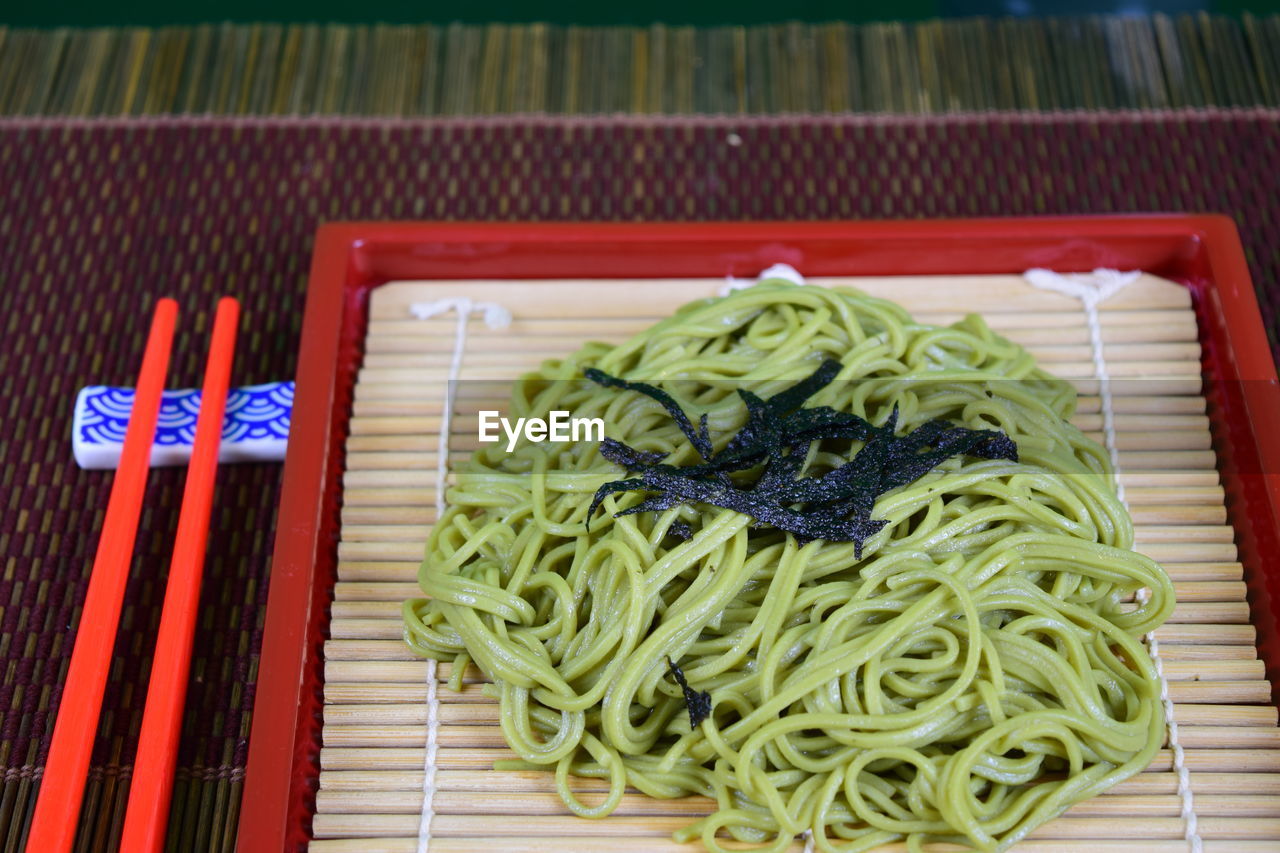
680, 530
627, 457
675, 488
836, 505
698, 704
699, 438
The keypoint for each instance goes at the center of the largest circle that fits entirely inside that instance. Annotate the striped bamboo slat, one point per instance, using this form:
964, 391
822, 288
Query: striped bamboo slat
375, 716
1091, 63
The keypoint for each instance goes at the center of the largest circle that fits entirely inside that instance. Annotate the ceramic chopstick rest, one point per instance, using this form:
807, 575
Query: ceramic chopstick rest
254, 429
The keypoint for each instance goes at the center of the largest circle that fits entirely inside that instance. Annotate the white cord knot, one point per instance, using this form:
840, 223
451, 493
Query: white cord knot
495, 316
786, 272
1090, 287
782, 271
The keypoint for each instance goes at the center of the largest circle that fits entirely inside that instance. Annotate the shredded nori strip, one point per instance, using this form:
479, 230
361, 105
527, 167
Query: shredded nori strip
699, 438
680, 530
698, 704
835, 506
675, 489
627, 457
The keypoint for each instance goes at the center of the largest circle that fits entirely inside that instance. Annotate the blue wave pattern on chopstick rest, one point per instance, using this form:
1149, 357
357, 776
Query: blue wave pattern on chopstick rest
255, 429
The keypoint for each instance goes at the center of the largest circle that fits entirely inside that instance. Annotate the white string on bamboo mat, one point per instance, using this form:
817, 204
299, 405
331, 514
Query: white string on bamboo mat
1092, 289
783, 271
432, 751
495, 317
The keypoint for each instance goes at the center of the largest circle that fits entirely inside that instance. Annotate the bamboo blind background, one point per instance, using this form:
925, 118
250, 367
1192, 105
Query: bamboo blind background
375, 713
932, 66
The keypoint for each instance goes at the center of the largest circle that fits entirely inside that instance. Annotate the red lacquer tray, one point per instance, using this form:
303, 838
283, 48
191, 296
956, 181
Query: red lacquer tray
1201, 252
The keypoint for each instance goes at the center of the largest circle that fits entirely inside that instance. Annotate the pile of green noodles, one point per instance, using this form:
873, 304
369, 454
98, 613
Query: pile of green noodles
977, 672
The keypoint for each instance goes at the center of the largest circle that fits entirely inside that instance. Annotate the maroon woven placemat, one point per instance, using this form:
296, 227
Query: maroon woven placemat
97, 220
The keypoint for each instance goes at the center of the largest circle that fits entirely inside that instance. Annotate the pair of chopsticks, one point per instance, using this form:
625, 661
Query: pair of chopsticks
53, 827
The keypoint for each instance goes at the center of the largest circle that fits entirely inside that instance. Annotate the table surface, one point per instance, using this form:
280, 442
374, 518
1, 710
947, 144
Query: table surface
99, 218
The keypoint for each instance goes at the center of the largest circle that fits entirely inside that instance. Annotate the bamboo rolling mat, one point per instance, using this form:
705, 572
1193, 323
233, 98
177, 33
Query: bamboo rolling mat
376, 714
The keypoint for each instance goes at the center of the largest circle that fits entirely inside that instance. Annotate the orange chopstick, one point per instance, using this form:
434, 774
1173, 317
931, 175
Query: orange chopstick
53, 827
147, 814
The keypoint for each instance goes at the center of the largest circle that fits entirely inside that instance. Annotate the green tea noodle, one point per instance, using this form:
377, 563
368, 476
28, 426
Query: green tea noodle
977, 672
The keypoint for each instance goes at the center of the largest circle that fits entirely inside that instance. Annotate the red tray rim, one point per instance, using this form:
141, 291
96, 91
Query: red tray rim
350, 259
